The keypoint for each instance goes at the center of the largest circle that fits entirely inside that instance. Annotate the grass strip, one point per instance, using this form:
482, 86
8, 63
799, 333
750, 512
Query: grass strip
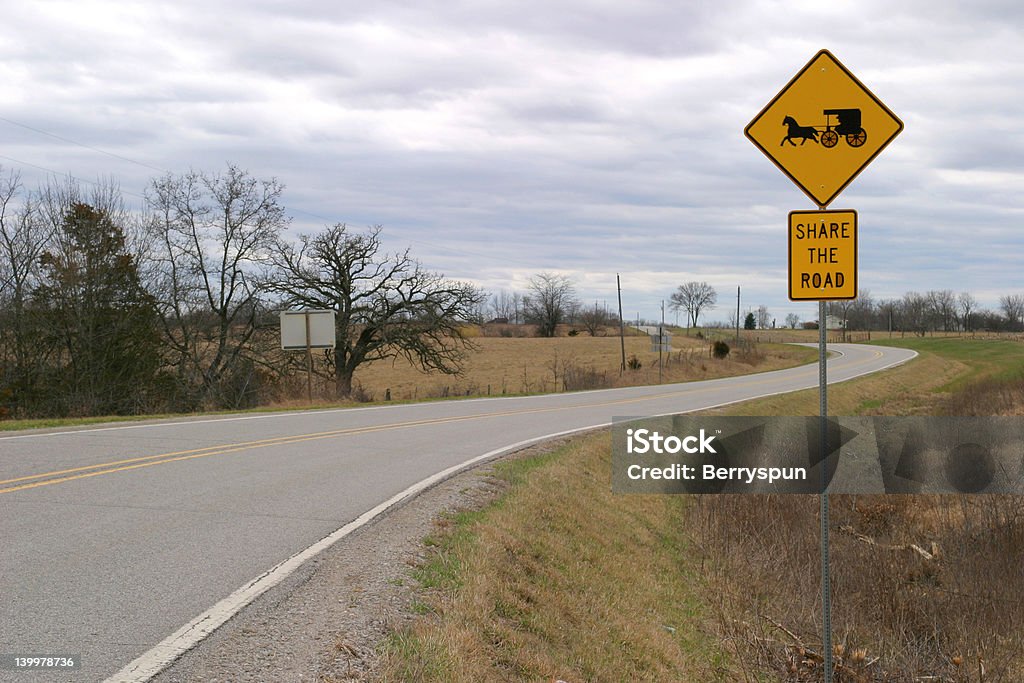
560, 579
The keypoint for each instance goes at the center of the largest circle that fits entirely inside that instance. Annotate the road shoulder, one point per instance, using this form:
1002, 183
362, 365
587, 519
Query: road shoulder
326, 621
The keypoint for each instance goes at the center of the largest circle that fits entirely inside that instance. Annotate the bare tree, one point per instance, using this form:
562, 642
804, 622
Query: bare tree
942, 305
861, 313
888, 310
968, 304
209, 235
693, 297
913, 313
24, 237
552, 297
385, 305
763, 317
503, 305
1013, 308
595, 319
792, 320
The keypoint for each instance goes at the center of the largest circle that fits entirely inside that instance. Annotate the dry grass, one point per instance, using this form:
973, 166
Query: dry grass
541, 586
897, 615
987, 397
539, 579
909, 616
507, 366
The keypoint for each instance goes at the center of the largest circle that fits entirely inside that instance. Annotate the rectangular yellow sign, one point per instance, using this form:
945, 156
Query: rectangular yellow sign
822, 255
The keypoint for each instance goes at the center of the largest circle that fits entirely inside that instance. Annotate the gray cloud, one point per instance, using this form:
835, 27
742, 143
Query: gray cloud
501, 139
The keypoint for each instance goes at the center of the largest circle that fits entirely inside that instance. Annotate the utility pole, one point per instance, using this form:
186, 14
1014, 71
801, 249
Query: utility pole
737, 315
622, 325
661, 339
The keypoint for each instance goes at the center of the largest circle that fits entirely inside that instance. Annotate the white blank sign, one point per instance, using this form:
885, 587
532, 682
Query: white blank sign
293, 330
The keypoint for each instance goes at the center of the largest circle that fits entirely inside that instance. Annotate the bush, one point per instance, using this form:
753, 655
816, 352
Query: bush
633, 363
719, 349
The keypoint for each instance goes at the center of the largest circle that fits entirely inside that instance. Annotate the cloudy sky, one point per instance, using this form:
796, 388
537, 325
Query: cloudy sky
500, 139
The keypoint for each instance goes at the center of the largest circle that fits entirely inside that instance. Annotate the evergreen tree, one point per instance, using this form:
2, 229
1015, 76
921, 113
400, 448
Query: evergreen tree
98, 319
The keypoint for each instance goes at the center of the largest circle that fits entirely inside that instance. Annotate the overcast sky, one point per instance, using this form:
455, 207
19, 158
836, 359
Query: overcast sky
502, 139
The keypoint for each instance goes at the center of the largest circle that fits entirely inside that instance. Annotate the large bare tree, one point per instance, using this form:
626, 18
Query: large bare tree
693, 297
210, 233
385, 305
551, 301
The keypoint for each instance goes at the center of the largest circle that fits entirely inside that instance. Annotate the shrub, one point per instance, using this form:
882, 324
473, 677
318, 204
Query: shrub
633, 363
719, 349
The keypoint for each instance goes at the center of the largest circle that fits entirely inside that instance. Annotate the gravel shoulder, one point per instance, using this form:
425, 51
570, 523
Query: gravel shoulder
326, 621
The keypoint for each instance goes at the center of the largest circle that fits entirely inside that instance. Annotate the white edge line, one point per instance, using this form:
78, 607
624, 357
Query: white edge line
152, 662
164, 653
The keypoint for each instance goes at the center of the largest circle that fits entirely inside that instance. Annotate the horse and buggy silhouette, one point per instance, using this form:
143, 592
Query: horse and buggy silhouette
847, 123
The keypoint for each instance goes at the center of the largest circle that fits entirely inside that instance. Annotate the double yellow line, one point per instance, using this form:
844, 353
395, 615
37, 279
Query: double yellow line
75, 473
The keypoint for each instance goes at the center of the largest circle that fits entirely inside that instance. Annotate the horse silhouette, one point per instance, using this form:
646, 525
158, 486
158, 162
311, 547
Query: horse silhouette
796, 131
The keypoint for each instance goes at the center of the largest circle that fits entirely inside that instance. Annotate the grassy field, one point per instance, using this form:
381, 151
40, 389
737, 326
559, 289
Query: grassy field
536, 588
948, 371
527, 365
499, 366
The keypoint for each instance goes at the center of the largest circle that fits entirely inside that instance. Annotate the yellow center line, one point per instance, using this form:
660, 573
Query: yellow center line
86, 471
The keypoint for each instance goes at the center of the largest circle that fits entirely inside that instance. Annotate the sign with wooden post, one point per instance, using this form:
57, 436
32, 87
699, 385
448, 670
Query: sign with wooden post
306, 330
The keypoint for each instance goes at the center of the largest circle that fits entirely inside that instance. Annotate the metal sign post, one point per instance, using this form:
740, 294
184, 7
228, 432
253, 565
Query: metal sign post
800, 130
826, 569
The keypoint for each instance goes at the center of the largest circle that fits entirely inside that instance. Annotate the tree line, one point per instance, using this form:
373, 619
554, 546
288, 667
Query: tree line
174, 308
549, 302
915, 312
105, 310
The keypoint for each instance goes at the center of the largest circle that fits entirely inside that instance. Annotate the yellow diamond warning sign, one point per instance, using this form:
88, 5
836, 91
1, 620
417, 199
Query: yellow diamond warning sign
823, 128
822, 255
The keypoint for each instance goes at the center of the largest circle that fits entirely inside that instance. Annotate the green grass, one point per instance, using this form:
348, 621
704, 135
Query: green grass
985, 358
560, 578
989, 376
444, 570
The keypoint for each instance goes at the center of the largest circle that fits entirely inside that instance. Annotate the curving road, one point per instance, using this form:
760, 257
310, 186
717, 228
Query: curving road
115, 538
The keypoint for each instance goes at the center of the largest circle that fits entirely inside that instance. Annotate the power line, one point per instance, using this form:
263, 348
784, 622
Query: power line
68, 175
80, 144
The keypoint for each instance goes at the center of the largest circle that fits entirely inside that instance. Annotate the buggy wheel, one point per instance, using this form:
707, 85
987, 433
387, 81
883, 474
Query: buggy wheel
857, 139
830, 138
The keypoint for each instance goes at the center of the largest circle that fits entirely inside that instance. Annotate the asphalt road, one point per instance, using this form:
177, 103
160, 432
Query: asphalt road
114, 537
